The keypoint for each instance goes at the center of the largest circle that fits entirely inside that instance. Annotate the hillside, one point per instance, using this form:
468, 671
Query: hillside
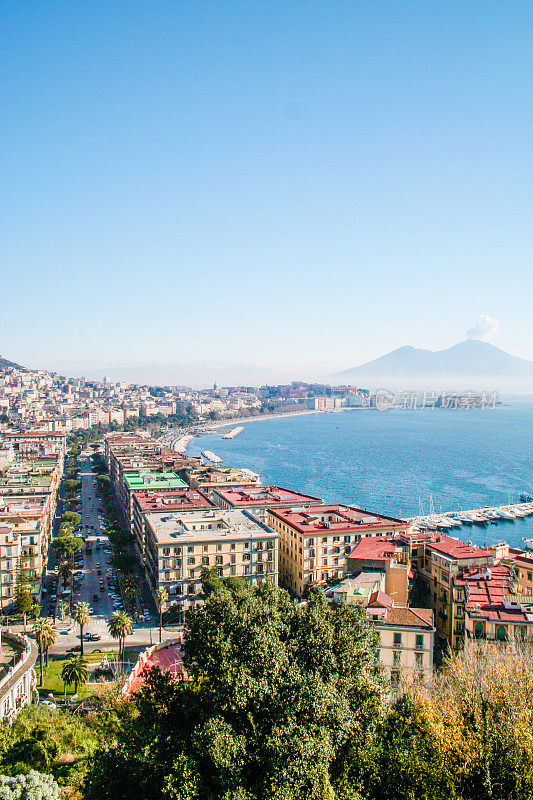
5, 364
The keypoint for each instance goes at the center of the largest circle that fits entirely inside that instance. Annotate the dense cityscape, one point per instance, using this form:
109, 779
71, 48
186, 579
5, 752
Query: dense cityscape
111, 532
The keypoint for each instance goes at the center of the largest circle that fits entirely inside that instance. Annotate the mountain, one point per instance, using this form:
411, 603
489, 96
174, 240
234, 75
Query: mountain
5, 364
468, 364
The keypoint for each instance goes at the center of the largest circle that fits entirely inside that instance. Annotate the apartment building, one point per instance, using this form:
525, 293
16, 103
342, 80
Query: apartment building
9, 560
210, 478
162, 502
406, 640
493, 603
387, 556
180, 545
145, 481
315, 541
445, 559
30, 521
258, 499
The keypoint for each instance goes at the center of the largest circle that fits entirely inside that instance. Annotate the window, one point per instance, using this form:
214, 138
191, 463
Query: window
219, 548
190, 560
529, 576
419, 660
397, 639
205, 561
396, 658
419, 641
190, 549
206, 548
219, 559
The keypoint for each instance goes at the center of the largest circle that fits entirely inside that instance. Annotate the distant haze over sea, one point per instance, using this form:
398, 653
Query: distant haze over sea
472, 364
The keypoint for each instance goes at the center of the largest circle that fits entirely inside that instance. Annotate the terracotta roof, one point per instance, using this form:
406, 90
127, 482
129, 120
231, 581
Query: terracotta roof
456, 549
410, 617
347, 519
178, 500
264, 496
376, 548
381, 599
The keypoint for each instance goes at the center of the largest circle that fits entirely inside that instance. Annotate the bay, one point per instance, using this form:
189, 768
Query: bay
386, 461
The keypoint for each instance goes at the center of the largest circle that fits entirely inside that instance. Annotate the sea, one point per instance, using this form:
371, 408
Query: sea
397, 462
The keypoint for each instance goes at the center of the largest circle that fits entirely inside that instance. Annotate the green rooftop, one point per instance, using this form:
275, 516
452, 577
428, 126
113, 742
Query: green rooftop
153, 480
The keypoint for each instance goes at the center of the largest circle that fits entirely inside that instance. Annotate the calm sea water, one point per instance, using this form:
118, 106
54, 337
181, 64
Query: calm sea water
387, 461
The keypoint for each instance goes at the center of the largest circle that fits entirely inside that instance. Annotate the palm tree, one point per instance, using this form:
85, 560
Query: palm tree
49, 640
162, 598
131, 590
64, 571
75, 670
81, 614
40, 630
62, 607
119, 626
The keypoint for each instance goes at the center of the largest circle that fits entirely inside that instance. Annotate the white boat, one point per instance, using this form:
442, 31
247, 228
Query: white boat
528, 543
506, 513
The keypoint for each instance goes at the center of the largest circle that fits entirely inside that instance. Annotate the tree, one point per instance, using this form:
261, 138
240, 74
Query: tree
23, 600
81, 614
71, 517
131, 586
66, 545
63, 608
49, 640
162, 598
75, 671
33, 786
119, 626
45, 637
274, 694
64, 571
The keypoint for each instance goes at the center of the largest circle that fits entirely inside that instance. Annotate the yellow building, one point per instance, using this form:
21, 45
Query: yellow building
315, 541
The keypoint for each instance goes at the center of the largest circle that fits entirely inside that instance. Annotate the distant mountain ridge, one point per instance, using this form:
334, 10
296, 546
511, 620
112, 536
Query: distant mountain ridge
469, 360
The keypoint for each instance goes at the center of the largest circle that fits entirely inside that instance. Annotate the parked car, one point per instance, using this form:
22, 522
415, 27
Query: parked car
95, 598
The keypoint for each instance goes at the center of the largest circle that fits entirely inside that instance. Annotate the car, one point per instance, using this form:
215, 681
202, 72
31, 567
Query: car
94, 637
98, 571
95, 598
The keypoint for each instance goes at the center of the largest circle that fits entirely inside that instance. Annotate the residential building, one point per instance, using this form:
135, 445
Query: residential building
9, 561
406, 639
388, 555
180, 545
208, 478
163, 502
315, 541
258, 499
17, 683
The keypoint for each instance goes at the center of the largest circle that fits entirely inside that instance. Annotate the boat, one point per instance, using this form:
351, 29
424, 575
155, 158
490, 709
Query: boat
506, 513
528, 543
526, 498
479, 519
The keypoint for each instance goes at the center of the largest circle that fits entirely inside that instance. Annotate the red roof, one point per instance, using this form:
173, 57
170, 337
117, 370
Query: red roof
246, 496
453, 548
380, 599
485, 595
376, 548
167, 658
179, 499
337, 519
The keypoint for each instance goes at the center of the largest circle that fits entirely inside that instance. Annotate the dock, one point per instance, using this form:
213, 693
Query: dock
477, 516
210, 456
232, 434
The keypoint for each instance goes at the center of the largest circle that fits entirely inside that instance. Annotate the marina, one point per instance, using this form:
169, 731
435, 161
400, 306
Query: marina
481, 517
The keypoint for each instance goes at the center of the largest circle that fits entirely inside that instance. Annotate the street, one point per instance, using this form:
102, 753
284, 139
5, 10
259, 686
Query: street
95, 578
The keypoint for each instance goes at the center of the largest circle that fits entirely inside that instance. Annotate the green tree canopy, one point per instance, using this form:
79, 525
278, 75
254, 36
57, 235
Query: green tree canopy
276, 690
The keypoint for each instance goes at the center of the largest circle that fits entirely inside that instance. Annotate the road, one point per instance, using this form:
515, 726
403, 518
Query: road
95, 577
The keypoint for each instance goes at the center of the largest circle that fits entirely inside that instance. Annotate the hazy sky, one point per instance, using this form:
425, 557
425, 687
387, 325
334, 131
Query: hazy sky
302, 185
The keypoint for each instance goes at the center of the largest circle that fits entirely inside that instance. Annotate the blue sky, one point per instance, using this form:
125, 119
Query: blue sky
299, 186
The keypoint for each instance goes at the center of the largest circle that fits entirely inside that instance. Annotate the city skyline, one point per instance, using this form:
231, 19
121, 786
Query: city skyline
286, 188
